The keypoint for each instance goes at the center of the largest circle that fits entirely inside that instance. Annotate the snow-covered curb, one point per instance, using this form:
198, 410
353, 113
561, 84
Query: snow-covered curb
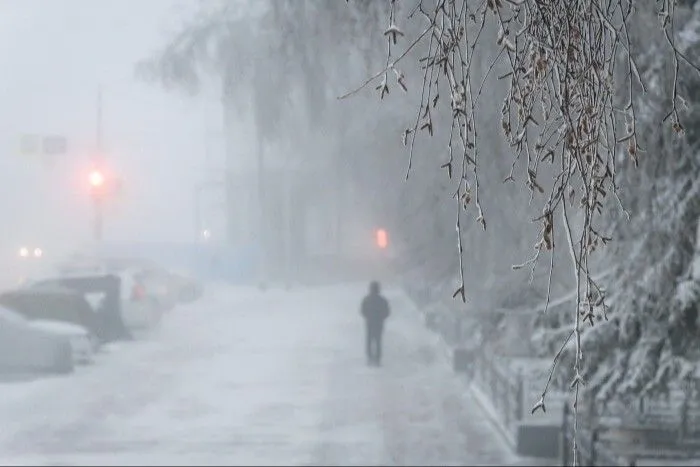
442, 344
485, 402
482, 399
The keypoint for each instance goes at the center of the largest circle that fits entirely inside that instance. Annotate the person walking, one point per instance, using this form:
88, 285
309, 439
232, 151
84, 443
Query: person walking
375, 310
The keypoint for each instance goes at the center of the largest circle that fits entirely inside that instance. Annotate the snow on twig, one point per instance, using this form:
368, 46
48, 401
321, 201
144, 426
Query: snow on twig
560, 110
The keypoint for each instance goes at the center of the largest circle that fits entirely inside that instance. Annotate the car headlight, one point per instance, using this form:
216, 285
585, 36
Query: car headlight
38, 253
23, 252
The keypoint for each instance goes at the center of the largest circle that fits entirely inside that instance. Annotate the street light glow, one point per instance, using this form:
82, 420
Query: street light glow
96, 178
206, 234
382, 238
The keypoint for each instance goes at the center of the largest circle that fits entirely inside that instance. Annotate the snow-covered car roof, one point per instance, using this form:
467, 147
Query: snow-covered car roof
38, 288
10, 315
73, 273
59, 327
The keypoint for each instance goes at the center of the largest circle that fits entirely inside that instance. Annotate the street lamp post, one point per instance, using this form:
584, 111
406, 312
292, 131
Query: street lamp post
97, 223
198, 210
97, 186
198, 191
97, 177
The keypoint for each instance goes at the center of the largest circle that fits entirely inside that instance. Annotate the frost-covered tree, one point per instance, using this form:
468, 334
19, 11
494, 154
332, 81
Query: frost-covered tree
577, 109
265, 76
561, 81
318, 50
649, 337
562, 112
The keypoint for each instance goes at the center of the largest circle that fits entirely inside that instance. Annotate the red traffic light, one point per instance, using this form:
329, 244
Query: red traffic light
382, 238
96, 179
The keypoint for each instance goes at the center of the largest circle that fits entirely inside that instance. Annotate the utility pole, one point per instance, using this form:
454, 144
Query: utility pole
198, 211
292, 226
202, 229
199, 187
262, 217
258, 218
97, 196
229, 110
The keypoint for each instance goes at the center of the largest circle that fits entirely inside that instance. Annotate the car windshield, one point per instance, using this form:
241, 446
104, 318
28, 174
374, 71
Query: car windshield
95, 299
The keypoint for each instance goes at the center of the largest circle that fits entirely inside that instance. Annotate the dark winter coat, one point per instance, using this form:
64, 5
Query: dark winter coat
375, 309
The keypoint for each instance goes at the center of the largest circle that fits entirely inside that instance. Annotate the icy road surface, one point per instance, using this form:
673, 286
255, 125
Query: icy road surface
249, 378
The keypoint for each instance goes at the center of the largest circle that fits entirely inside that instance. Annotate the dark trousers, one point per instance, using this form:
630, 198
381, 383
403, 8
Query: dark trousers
373, 342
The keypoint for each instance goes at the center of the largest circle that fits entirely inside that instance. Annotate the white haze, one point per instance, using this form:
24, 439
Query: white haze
54, 55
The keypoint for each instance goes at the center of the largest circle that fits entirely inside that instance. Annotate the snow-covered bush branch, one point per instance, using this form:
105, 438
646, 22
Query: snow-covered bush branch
566, 62
562, 90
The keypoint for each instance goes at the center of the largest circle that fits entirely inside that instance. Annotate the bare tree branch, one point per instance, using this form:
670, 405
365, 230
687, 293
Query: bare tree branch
560, 112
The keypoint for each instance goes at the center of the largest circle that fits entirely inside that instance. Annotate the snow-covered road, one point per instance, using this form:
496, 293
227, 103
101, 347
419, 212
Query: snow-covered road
244, 377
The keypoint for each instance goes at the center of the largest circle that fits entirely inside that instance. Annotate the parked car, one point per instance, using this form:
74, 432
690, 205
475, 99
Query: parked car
185, 288
60, 311
127, 306
82, 343
25, 348
157, 281
140, 310
102, 293
159, 287
52, 302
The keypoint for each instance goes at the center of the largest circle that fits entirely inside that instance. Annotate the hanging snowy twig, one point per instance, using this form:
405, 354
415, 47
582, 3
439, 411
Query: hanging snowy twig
560, 109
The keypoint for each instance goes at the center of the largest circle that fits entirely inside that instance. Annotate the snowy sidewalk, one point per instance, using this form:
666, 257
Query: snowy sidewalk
244, 377
415, 407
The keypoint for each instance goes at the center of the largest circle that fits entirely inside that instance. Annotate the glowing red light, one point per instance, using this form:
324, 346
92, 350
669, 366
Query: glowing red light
382, 238
96, 178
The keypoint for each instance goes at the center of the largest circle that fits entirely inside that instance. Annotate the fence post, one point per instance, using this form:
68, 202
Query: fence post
565, 437
520, 396
478, 370
683, 429
507, 392
591, 410
592, 450
495, 386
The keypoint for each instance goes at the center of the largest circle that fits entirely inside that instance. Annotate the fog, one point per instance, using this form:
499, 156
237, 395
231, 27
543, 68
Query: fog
56, 55
203, 273
72, 60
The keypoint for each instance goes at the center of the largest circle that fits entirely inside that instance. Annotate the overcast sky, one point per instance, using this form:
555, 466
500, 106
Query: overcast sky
55, 54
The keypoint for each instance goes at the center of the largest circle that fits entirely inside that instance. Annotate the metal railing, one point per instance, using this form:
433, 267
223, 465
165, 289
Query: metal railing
640, 437
509, 393
590, 450
505, 389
